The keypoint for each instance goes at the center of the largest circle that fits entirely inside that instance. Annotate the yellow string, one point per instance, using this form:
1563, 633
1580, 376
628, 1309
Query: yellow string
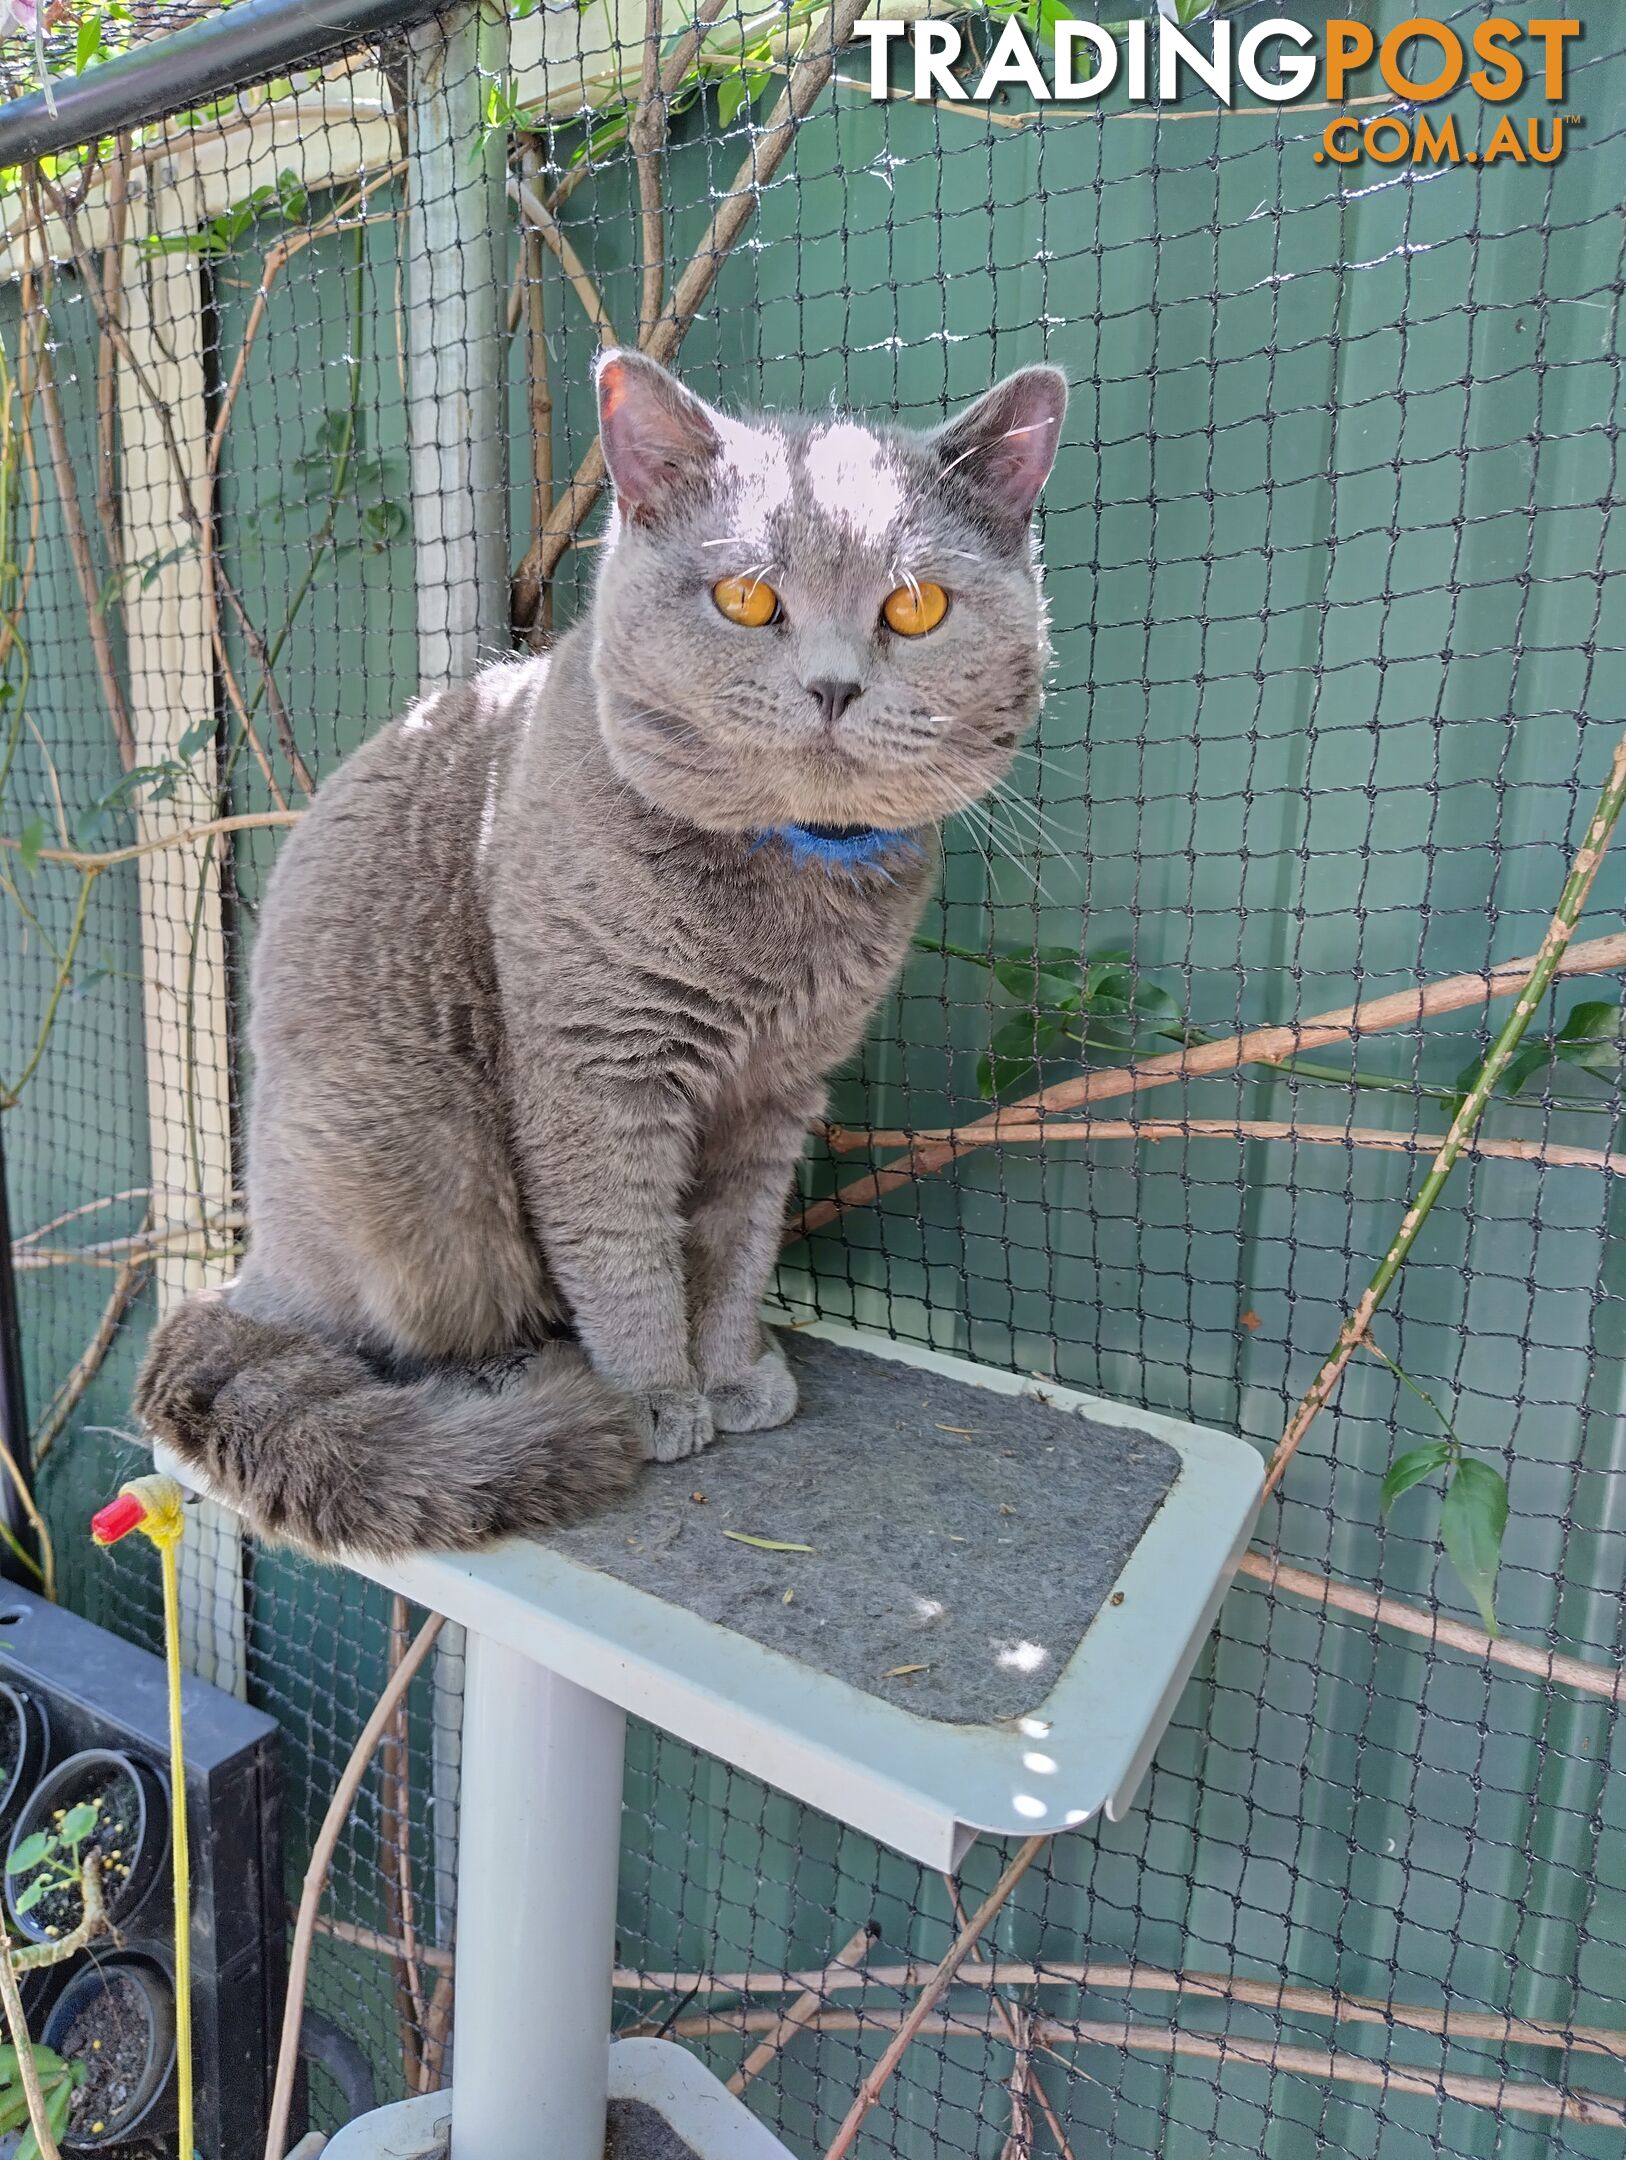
165, 1523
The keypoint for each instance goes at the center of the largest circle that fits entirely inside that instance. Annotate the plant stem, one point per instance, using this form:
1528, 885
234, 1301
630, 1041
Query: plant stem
1583, 870
27, 2068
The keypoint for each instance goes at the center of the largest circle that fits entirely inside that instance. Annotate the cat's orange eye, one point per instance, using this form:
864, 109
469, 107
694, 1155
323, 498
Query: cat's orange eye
914, 609
746, 601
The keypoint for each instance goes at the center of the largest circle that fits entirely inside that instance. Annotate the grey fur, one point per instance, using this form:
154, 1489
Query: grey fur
539, 1019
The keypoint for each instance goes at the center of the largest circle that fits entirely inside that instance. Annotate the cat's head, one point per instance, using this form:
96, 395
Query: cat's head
805, 620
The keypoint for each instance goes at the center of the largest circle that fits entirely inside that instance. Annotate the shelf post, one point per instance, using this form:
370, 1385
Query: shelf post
540, 1842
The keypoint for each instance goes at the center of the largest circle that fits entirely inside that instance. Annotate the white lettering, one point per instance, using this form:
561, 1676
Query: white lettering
937, 47
1012, 61
1069, 36
880, 35
1295, 72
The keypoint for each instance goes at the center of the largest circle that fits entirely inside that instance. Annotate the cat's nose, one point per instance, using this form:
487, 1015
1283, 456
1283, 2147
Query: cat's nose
833, 697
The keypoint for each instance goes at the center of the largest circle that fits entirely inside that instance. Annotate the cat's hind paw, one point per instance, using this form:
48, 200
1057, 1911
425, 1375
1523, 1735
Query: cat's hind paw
763, 1398
677, 1422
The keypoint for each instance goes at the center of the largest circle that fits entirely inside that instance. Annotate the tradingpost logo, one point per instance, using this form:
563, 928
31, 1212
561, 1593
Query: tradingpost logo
1419, 62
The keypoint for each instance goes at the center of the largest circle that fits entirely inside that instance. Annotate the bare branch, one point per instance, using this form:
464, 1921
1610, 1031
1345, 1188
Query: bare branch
847, 1140
1259, 1046
1546, 1665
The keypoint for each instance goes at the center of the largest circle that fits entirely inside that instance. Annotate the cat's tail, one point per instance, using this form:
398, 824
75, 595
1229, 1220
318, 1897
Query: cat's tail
307, 1441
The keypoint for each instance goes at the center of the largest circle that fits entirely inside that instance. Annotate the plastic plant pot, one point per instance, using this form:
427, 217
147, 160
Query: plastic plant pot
25, 1743
131, 1837
118, 2018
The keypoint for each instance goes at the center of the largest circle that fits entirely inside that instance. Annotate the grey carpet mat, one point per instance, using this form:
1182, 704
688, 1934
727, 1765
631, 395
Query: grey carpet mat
964, 1536
636, 2132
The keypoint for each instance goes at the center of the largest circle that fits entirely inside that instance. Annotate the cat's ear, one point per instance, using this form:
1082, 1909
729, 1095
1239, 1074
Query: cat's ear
1002, 448
657, 436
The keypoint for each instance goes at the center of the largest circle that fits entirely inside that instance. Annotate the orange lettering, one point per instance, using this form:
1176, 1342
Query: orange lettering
1419, 27
1490, 40
1554, 35
1350, 46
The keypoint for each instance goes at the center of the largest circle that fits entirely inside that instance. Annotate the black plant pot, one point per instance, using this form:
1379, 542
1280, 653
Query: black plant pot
118, 2018
25, 1743
132, 1837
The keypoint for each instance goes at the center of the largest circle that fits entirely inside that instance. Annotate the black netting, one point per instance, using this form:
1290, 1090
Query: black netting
1336, 598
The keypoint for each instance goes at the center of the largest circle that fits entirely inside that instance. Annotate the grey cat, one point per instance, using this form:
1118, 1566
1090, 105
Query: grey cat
548, 980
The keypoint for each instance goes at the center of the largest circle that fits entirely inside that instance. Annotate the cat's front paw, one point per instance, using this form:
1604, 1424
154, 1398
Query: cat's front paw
762, 1398
677, 1422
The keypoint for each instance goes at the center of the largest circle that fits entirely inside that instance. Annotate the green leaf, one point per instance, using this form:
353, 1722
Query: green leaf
1472, 1522
196, 738
29, 1854
1015, 1050
78, 1823
1521, 1068
1591, 1038
383, 522
29, 842
730, 97
1412, 1469
13, 2107
1040, 981
87, 47
764, 1544
31, 1896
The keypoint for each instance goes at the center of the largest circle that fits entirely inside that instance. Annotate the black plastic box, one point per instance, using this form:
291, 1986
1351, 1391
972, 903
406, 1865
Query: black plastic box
100, 1691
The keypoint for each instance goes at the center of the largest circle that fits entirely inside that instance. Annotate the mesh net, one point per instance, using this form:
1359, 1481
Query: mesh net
1336, 599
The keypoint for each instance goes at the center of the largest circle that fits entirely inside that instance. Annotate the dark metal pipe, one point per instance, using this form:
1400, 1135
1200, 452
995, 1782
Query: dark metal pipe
13, 1407
241, 45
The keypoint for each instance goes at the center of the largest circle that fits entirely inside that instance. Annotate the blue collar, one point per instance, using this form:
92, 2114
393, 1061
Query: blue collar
840, 847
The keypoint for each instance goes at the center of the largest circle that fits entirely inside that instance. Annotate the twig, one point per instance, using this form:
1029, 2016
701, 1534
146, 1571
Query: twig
73, 1214
91, 862
437, 2032
1583, 871
1258, 1046
147, 1245
646, 138
815, 1987
22, 2046
73, 528
118, 220
310, 1896
921, 2009
1325, 2066
92, 1921
846, 1140
532, 603
1277, 1996
1020, 2046
547, 228
197, 523
762, 161
91, 1358
1015, 2031
9, 1095
395, 1799
1548, 1665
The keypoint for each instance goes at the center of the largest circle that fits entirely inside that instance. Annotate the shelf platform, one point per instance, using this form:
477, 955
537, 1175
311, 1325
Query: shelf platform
943, 1600
1042, 1649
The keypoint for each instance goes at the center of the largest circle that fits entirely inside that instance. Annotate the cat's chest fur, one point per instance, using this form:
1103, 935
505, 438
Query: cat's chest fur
721, 959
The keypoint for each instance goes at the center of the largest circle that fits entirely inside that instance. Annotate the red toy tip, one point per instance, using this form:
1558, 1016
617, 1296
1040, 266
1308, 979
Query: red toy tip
117, 1519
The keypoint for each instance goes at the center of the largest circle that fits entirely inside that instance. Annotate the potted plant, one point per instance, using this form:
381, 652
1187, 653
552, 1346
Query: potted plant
58, 2082
25, 1739
100, 1803
113, 2026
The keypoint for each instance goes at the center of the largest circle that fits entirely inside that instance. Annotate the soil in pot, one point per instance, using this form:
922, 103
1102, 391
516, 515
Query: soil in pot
110, 2037
117, 2020
123, 1829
